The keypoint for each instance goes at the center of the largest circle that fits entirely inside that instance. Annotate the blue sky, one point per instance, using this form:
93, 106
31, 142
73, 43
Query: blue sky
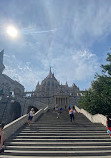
71, 36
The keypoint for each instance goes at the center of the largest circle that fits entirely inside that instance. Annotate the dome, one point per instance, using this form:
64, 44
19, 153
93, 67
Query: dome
50, 80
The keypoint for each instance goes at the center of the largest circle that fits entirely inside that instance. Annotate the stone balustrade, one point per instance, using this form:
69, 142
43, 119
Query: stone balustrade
12, 127
97, 118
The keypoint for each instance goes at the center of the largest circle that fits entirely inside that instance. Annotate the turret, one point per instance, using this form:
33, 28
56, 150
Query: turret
73, 85
38, 83
37, 86
66, 84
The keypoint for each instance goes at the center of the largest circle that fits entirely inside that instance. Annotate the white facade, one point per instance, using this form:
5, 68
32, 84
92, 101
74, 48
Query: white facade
52, 93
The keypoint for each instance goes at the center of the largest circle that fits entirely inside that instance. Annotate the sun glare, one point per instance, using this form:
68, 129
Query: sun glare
12, 31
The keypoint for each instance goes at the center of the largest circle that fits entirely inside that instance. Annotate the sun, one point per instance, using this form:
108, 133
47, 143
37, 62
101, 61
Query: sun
12, 31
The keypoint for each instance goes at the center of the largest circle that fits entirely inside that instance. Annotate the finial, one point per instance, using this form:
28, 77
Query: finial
66, 83
50, 73
50, 70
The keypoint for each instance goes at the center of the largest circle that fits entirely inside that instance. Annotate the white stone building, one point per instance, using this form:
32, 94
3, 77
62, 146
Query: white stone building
52, 93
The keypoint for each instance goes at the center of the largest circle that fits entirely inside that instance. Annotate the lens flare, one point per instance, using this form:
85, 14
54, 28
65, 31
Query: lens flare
12, 31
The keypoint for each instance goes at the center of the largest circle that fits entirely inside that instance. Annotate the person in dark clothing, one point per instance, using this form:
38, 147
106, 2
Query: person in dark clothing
65, 107
69, 107
60, 112
108, 124
73, 107
71, 113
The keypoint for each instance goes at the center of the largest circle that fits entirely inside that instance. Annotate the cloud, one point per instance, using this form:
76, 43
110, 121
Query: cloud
55, 33
35, 31
77, 66
86, 65
20, 72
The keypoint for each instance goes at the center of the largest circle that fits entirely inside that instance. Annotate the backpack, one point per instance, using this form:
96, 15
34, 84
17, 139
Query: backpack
71, 111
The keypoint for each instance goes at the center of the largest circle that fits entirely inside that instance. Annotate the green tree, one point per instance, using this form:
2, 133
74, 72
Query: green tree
98, 98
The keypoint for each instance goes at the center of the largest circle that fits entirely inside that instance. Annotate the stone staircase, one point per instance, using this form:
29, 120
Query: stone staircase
52, 137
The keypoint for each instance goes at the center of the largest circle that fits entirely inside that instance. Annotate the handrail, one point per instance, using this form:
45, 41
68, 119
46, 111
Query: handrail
46, 108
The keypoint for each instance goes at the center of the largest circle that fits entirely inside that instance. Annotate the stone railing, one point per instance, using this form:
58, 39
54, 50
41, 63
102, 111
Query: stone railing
98, 118
12, 127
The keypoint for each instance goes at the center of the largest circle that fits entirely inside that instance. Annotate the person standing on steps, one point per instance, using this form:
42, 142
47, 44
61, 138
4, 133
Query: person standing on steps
65, 107
69, 107
108, 124
30, 117
73, 107
60, 112
1, 138
56, 110
71, 113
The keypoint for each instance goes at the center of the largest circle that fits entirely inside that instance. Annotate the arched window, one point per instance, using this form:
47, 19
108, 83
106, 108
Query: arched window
48, 83
52, 83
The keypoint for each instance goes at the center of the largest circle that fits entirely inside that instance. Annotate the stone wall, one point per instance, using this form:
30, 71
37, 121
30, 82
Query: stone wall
98, 118
12, 127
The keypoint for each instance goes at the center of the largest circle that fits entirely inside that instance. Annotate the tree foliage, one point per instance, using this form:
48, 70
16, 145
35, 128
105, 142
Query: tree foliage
98, 98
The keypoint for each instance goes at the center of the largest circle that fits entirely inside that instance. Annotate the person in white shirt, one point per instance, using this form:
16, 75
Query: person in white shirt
31, 114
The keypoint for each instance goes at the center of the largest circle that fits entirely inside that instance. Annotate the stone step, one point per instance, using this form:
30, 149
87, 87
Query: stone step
63, 137
8, 156
86, 143
59, 153
66, 129
62, 127
66, 125
64, 122
61, 140
62, 134
57, 148
63, 131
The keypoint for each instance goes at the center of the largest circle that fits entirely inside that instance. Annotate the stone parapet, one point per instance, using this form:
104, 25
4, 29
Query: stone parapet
12, 127
97, 118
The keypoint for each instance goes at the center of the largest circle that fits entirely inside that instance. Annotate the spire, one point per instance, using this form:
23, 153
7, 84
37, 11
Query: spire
2, 67
1, 56
37, 86
66, 83
38, 83
50, 73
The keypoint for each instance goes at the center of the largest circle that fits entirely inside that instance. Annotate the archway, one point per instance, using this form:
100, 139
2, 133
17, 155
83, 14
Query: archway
29, 108
15, 110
